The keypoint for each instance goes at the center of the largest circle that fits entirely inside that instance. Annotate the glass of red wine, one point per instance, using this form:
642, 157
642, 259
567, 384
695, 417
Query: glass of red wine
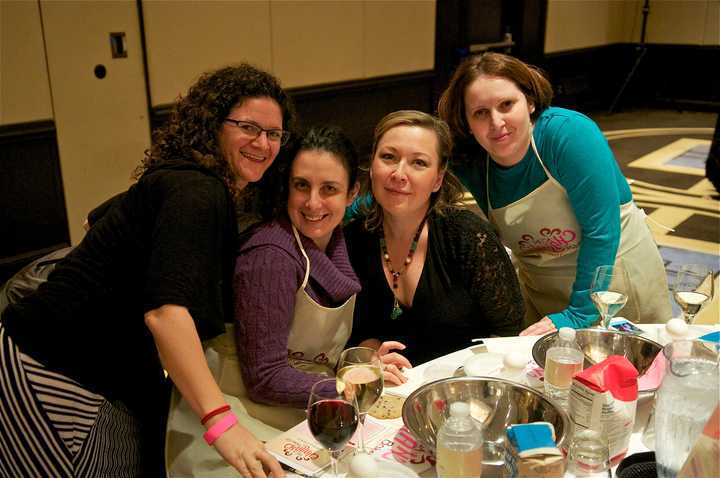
332, 418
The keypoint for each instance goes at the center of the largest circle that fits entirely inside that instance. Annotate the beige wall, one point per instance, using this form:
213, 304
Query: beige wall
304, 43
185, 38
102, 125
24, 87
574, 24
694, 22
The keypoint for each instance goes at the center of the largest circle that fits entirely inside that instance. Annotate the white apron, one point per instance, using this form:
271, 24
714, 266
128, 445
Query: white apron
543, 233
317, 336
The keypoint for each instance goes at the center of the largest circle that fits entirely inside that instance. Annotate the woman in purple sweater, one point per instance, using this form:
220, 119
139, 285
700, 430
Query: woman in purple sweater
294, 286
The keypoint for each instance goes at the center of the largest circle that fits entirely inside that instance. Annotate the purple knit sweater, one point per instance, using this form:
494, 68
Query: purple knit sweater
268, 272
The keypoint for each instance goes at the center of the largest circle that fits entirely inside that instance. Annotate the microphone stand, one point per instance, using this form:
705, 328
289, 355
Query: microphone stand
642, 49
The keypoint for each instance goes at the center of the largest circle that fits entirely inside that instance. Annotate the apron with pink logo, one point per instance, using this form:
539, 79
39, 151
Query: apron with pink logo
543, 233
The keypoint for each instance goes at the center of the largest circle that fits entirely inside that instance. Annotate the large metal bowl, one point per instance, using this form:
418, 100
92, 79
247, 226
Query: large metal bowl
598, 344
494, 402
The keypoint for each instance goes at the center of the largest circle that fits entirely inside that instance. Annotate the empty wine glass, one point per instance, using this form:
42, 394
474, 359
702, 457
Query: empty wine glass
609, 291
694, 287
360, 375
332, 418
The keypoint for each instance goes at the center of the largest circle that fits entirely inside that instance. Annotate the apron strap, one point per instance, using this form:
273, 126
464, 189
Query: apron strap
307, 260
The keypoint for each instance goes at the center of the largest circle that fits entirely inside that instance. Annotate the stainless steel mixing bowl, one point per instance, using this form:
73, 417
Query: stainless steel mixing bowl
598, 344
494, 402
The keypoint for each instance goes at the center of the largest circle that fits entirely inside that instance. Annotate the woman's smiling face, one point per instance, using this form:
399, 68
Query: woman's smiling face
405, 169
249, 158
498, 114
319, 192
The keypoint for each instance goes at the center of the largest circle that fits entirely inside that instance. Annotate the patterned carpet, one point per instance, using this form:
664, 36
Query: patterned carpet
668, 182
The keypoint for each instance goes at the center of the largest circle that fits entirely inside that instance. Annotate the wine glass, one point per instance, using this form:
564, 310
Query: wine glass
608, 291
694, 287
332, 418
360, 376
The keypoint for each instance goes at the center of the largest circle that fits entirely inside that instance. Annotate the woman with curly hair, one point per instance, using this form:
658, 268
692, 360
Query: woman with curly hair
433, 275
82, 391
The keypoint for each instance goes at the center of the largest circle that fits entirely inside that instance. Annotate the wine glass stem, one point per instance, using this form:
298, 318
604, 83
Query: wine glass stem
361, 435
333, 464
689, 318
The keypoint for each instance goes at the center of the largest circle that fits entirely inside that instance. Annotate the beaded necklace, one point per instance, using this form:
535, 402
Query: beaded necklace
397, 310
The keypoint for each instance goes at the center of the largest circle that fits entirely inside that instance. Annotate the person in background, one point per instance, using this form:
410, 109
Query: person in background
83, 391
548, 181
433, 275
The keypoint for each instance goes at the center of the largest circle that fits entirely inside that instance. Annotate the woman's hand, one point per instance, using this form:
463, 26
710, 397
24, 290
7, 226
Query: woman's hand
393, 362
541, 327
240, 449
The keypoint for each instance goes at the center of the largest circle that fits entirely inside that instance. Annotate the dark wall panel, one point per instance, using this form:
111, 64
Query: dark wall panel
667, 76
355, 106
32, 203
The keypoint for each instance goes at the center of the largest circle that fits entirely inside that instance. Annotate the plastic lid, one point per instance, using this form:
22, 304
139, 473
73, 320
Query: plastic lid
459, 409
567, 333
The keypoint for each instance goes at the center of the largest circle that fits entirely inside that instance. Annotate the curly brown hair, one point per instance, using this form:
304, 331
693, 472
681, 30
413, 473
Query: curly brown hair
192, 129
450, 194
529, 79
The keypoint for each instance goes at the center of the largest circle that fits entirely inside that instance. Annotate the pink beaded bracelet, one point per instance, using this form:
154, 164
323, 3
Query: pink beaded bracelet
219, 428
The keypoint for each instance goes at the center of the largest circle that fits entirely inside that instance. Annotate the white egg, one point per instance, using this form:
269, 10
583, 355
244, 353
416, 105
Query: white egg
363, 466
676, 328
514, 361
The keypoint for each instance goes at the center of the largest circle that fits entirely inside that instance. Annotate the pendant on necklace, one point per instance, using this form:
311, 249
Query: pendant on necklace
397, 310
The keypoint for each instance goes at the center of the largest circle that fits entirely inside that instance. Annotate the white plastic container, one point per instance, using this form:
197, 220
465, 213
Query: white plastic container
562, 361
459, 445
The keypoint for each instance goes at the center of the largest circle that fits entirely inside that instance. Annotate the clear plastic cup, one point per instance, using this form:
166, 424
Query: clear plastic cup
588, 455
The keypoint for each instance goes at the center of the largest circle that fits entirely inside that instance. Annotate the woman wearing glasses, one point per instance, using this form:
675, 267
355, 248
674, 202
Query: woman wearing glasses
82, 391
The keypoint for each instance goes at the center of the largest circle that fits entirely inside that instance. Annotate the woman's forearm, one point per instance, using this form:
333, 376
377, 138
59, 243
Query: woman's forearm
182, 357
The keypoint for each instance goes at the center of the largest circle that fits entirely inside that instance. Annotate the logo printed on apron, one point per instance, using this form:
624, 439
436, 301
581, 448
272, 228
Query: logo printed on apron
553, 241
547, 255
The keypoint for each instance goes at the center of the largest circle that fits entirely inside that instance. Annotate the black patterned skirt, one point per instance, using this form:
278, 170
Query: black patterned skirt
51, 426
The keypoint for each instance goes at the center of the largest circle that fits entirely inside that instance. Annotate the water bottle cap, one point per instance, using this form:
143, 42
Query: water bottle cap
459, 409
567, 333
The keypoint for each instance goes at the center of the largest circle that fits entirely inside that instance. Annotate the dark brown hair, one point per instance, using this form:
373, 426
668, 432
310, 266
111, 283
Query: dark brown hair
192, 130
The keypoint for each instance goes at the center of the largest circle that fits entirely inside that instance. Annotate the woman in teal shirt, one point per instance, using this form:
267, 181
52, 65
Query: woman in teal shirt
548, 181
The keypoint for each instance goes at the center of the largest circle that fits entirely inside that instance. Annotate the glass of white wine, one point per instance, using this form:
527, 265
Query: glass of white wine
608, 291
360, 377
694, 287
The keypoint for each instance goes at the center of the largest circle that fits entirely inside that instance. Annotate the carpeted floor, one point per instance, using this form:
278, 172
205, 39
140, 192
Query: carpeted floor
663, 153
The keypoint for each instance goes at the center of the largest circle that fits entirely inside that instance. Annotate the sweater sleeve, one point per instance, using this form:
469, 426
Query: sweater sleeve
487, 273
584, 165
265, 282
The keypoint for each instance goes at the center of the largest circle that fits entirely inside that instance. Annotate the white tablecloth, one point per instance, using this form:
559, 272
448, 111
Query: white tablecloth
523, 345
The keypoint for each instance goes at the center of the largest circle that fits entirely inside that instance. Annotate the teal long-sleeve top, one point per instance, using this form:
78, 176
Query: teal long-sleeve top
578, 156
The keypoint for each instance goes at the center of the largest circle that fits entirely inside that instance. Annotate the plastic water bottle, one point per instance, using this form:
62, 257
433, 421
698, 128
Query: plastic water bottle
562, 361
459, 445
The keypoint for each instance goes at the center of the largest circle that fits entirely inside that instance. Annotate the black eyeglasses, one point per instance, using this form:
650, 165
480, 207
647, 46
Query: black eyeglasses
251, 130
